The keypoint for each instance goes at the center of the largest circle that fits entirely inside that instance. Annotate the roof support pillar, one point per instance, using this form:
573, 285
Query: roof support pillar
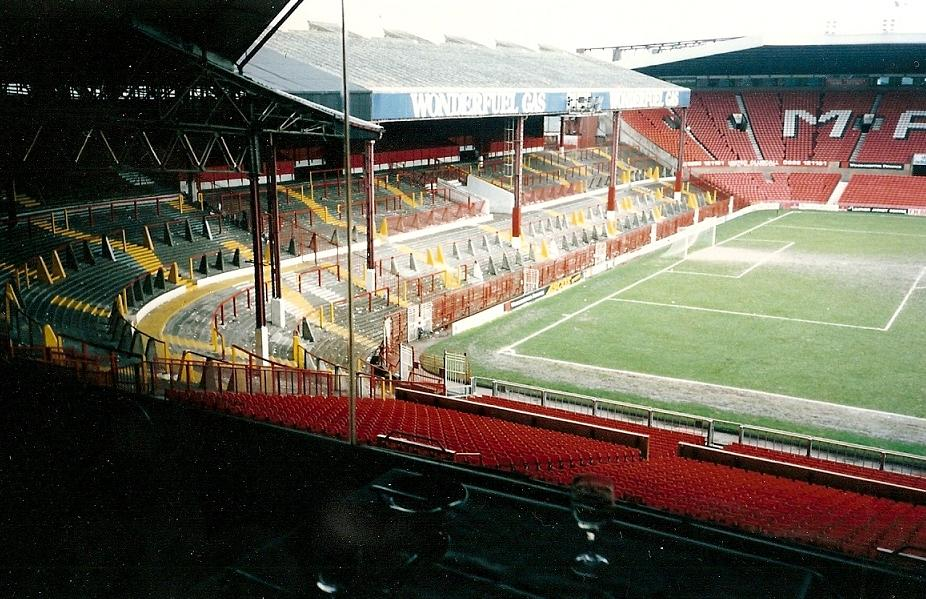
682, 133
612, 170
517, 177
273, 228
260, 316
562, 135
369, 188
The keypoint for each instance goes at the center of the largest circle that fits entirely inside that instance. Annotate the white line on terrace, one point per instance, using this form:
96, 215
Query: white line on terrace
632, 285
856, 231
903, 303
748, 314
914, 419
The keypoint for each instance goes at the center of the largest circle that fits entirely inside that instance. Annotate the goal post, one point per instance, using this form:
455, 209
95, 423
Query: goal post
694, 238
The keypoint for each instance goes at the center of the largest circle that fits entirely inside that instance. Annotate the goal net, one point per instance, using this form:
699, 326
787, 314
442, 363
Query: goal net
694, 238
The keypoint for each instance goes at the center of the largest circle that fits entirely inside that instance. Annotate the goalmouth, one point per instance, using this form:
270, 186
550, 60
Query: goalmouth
700, 236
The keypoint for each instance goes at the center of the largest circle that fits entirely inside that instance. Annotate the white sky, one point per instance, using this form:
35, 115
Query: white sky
570, 24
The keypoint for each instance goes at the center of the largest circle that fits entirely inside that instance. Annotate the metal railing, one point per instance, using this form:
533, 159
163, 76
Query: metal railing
832, 451
709, 428
603, 408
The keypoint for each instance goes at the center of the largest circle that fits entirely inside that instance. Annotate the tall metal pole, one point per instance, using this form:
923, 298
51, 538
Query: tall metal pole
369, 188
273, 230
352, 366
612, 170
682, 127
260, 313
518, 177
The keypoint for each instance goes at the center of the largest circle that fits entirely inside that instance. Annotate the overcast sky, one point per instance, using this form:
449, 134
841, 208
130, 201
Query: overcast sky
570, 24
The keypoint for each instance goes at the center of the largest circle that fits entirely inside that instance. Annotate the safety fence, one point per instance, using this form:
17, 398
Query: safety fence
59, 218
544, 193
830, 450
603, 408
713, 431
420, 219
136, 373
671, 226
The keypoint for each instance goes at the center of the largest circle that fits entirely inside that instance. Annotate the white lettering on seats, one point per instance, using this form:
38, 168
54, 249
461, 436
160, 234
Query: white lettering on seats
906, 123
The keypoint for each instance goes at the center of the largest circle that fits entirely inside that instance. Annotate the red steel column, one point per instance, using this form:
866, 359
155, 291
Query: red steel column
369, 186
517, 180
682, 133
615, 144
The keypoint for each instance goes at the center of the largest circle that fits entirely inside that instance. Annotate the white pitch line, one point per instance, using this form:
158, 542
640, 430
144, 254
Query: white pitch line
765, 259
749, 314
704, 274
759, 263
903, 303
778, 241
511, 347
857, 231
657, 377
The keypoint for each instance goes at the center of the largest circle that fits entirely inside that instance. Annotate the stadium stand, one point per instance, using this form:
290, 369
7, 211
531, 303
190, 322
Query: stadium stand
895, 478
459, 436
765, 118
833, 149
893, 140
754, 187
709, 117
836, 519
652, 124
884, 191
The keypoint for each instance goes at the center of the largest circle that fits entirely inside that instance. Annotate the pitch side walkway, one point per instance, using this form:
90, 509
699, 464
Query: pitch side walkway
871, 423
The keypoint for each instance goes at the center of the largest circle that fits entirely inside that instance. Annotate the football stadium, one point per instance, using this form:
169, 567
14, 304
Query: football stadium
305, 311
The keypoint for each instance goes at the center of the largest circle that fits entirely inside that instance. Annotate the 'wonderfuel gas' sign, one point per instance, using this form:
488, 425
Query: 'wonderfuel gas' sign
443, 104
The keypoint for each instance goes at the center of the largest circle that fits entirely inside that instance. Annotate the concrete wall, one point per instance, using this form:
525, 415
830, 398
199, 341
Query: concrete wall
497, 199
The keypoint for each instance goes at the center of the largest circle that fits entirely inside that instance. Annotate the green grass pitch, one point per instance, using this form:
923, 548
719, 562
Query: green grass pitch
824, 306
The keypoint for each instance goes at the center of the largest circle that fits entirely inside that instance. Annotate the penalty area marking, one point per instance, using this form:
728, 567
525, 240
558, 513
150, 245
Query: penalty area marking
854, 231
584, 309
903, 303
749, 314
763, 260
916, 286
657, 377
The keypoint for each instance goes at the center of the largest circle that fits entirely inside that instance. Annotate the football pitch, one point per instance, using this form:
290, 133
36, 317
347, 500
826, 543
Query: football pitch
822, 306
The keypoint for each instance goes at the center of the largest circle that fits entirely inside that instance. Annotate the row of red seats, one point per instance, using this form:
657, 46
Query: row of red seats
778, 140
895, 478
708, 117
662, 443
795, 140
651, 124
754, 187
839, 149
884, 191
499, 443
880, 145
757, 503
